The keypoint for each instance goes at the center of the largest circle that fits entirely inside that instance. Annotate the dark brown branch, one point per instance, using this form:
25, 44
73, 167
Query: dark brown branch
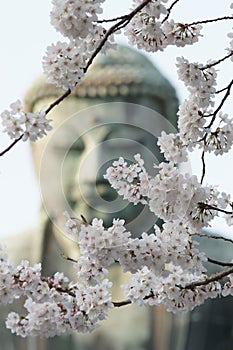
169, 10
207, 206
57, 101
50, 283
210, 20
11, 145
212, 278
121, 303
214, 114
228, 90
217, 62
111, 19
213, 237
220, 263
127, 302
67, 258
203, 166
221, 90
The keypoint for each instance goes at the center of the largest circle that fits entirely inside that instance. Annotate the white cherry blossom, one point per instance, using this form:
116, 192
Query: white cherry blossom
16, 123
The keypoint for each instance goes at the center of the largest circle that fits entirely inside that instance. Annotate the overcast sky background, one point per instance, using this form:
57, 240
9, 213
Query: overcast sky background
25, 34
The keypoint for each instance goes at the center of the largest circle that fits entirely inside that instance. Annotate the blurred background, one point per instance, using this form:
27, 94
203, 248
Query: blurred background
26, 32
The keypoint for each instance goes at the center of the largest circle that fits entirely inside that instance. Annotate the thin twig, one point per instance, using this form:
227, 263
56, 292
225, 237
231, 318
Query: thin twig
127, 302
169, 10
214, 114
212, 236
220, 263
219, 91
212, 278
210, 20
111, 19
217, 62
203, 166
67, 258
207, 206
57, 101
11, 145
228, 90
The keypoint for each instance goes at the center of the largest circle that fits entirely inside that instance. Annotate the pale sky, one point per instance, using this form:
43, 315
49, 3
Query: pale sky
25, 34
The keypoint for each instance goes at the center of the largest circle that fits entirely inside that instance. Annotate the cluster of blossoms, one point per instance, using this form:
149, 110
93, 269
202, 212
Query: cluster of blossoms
146, 288
201, 86
150, 33
78, 22
163, 264
131, 181
16, 123
195, 125
170, 244
169, 194
65, 62
228, 287
54, 305
220, 139
172, 148
75, 19
99, 248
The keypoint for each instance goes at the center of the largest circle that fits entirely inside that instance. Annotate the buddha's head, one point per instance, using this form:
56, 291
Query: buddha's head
119, 109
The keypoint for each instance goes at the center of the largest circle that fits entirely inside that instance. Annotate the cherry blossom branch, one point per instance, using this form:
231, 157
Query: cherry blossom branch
111, 19
214, 114
220, 263
169, 10
228, 91
217, 62
213, 236
122, 303
124, 20
221, 90
122, 23
128, 302
164, 240
57, 101
212, 278
207, 206
203, 166
11, 145
68, 258
210, 20
51, 285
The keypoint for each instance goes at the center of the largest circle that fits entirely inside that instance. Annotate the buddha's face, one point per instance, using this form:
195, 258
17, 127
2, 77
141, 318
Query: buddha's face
84, 143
